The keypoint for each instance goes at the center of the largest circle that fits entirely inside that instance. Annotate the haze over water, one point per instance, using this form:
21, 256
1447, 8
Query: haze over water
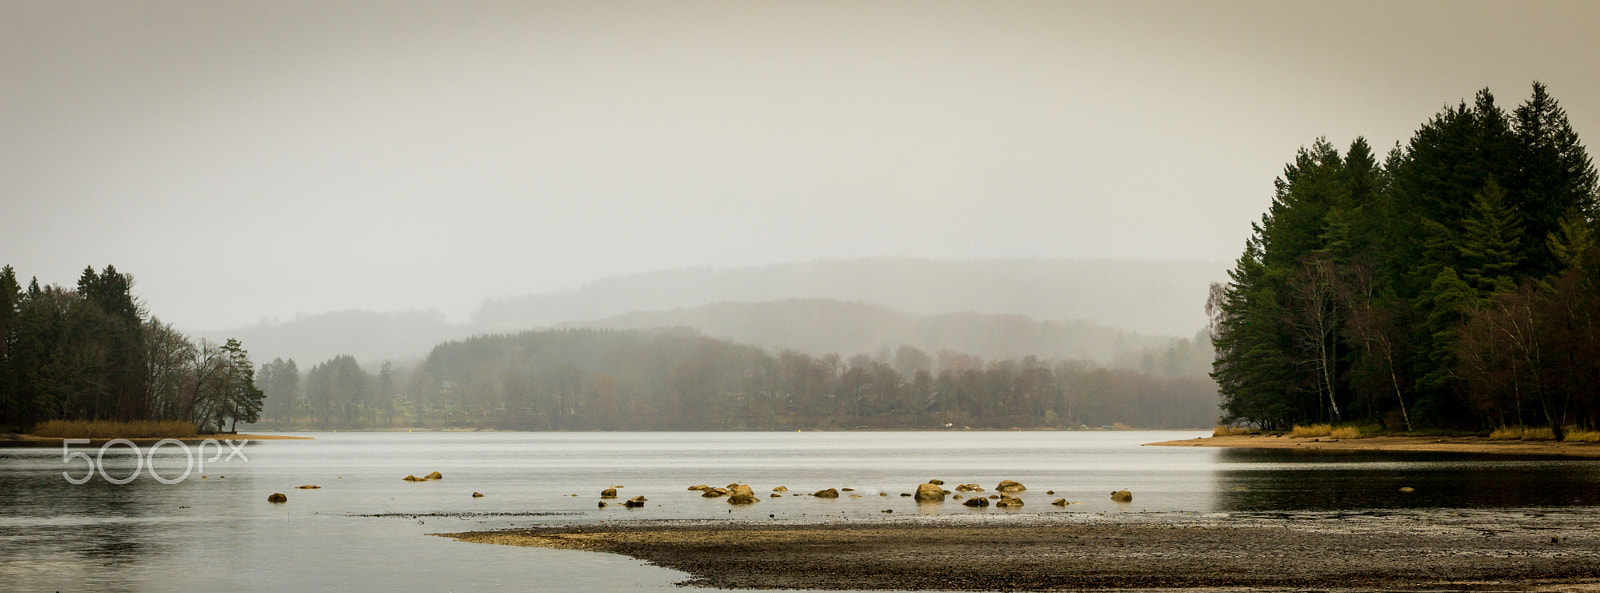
220, 534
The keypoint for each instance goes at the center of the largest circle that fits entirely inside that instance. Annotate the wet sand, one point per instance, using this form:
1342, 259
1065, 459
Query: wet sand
1476, 445
1556, 550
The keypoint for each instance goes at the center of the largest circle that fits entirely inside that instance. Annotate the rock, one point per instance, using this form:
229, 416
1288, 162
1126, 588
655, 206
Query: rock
714, 493
856, 496
936, 482
829, 493
957, 497
1122, 496
969, 488
477, 495
619, 486
1010, 487
1407, 489
700, 487
976, 501
434, 476
781, 489
883, 494
277, 497
775, 495
308, 487
411, 478
929, 492
608, 493
742, 494
731, 486
1050, 492
637, 501
887, 511
905, 494
1009, 502
847, 489
602, 504
1060, 502
994, 497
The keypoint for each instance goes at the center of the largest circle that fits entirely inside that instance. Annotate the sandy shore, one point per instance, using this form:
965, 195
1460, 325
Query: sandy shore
1554, 550
1391, 443
28, 440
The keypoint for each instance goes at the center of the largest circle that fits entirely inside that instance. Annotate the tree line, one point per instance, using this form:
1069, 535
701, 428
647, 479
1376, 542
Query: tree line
94, 353
586, 379
1453, 284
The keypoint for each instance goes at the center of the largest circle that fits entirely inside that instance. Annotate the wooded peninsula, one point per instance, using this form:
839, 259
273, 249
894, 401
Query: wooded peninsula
1454, 284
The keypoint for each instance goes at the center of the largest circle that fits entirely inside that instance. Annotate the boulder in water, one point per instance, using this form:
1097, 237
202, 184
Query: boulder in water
308, 487
1122, 496
637, 501
1011, 502
608, 493
929, 492
781, 489
1010, 487
434, 476
742, 494
936, 482
277, 497
976, 501
1060, 502
477, 495
829, 493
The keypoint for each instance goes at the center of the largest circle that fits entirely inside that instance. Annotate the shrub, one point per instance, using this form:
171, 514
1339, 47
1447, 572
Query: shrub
1315, 430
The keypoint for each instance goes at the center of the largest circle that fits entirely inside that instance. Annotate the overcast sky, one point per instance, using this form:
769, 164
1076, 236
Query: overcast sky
250, 160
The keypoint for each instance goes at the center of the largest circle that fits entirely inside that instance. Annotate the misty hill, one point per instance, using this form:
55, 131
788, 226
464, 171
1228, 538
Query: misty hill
817, 327
367, 336
1154, 297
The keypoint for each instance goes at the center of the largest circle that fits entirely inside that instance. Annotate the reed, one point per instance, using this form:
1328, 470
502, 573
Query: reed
112, 429
1578, 435
1346, 432
1224, 430
1315, 430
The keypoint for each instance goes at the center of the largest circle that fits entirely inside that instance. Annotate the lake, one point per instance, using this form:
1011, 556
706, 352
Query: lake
365, 528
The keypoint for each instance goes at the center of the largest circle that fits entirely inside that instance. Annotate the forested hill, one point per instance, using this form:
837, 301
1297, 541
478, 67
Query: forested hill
1153, 297
817, 327
1453, 283
649, 380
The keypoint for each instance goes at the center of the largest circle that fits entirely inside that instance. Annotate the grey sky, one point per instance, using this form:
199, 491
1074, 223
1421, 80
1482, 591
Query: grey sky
258, 159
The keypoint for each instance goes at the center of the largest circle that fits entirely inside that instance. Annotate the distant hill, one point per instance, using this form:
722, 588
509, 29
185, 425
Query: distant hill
990, 308
817, 327
370, 337
1152, 297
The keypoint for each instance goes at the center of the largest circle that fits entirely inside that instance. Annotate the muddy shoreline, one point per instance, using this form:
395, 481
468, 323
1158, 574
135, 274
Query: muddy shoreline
1469, 445
1552, 549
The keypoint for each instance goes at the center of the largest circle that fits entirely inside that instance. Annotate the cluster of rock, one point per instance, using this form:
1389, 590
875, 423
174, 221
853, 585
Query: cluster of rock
737, 493
432, 476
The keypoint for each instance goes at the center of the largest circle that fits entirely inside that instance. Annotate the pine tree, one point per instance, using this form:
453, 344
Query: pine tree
1554, 174
1490, 242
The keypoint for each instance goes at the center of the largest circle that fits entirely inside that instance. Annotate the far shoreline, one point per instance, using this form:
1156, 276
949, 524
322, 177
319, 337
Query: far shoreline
28, 440
1476, 445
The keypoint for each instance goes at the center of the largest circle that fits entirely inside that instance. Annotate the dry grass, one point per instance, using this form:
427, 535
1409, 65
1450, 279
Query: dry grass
107, 429
1313, 431
1522, 433
1224, 430
1346, 432
1578, 435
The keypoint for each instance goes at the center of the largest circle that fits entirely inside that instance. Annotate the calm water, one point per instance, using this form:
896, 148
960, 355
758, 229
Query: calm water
220, 534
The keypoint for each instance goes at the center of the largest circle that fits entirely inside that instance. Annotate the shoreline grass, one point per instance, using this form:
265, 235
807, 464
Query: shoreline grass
112, 429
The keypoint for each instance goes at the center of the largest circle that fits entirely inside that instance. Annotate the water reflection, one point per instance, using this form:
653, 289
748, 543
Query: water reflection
1283, 480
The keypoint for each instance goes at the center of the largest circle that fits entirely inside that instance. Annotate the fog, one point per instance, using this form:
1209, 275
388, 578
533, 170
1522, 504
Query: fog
250, 161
